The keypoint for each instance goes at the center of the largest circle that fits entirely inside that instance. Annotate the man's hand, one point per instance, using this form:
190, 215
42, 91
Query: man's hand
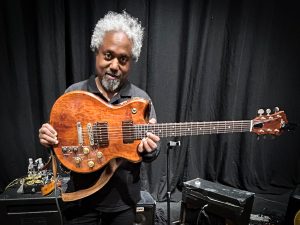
47, 135
149, 143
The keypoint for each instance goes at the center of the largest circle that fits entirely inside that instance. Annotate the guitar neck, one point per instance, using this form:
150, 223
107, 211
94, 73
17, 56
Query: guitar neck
193, 128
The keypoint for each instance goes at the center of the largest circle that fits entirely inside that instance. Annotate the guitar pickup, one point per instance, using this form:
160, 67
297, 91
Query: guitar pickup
128, 132
100, 134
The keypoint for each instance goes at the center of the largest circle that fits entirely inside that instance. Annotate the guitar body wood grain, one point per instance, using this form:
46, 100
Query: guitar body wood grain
86, 109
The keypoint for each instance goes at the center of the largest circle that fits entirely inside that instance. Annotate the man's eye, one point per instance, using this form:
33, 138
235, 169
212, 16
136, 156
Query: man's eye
123, 59
108, 56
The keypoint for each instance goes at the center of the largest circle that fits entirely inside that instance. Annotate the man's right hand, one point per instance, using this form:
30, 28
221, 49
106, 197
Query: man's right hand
47, 135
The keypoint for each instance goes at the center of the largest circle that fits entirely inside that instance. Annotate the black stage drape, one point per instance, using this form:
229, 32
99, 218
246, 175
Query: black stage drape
202, 60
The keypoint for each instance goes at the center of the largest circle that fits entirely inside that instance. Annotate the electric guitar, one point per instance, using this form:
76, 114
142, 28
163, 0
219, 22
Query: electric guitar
92, 132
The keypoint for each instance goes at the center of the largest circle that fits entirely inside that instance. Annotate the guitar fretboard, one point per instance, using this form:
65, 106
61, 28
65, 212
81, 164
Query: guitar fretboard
192, 128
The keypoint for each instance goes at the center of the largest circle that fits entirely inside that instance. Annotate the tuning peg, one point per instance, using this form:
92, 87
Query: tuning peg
276, 109
268, 111
260, 112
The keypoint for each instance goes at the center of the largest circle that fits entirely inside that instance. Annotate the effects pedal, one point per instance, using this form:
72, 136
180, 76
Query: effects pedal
32, 184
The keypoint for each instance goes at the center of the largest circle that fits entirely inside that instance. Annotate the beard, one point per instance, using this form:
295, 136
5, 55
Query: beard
111, 85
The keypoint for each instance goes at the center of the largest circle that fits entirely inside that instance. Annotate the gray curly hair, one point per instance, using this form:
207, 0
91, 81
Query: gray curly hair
113, 21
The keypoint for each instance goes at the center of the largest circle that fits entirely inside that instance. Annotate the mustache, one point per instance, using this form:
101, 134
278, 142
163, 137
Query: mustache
116, 75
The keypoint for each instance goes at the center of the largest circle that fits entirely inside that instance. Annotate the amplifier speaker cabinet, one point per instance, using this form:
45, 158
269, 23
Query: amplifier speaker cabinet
145, 210
205, 202
293, 209
34, 209
27, 209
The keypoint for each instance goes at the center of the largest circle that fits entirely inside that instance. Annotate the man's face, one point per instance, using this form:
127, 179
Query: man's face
113, 61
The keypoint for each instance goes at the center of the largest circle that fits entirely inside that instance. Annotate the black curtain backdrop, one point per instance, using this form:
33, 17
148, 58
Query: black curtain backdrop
202, 60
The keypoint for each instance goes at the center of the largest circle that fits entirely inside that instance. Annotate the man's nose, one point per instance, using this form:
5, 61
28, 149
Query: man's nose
114, 65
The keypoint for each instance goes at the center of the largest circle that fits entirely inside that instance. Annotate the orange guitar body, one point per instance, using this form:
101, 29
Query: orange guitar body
79, 116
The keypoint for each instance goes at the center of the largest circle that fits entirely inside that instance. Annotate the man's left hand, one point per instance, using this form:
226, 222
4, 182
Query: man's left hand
149, 143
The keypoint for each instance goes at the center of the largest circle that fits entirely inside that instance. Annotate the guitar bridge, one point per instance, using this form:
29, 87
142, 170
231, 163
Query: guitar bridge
79, 133
90, 133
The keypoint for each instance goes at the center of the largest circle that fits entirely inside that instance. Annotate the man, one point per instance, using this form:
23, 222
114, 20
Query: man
116, 41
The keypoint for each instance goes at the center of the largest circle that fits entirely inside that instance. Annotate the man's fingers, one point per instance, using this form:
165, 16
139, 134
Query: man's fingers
44, 143
45, 139
152, 145
149, 143
141, 146
153, 136
146, 145
48, 127
47, 135
152, 120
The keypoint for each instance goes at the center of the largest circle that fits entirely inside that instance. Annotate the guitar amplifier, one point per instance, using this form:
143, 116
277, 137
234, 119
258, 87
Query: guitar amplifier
145, 210
293, 209
205, 202
28, 209
35, 209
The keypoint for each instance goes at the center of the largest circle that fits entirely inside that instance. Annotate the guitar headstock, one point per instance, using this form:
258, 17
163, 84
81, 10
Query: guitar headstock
269, 123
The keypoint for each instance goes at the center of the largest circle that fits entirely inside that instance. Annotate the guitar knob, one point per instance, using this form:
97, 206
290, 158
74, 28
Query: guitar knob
64, 149
99, 155
75, 150
260, 112
77, 160
276, 109
268, 111
86, 150
91, 164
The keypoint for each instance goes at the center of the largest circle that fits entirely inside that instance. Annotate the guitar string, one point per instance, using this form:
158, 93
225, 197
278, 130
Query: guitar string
170, 126
227, 124
119, 134
133, 135
130, 129
158, 129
